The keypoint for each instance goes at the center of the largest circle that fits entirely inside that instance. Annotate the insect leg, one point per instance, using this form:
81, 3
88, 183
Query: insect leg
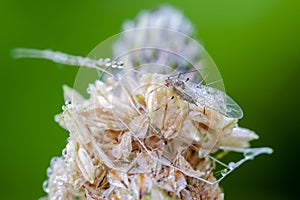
180, 73
155, 89
172, 97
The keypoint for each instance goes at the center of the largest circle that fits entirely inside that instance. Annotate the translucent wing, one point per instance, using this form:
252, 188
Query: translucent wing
214, 99
233, 110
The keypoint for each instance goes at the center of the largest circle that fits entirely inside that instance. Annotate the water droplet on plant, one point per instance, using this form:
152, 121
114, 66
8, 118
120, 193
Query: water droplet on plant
201, 154
54, 160
223, 172
88, 90
64, 152
45, 186
100, 61
120, 64
107, 60
231, 165
49, 171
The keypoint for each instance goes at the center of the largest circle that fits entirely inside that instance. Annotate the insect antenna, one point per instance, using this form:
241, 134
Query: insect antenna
214, 82
181, 73
155, 89
202, 81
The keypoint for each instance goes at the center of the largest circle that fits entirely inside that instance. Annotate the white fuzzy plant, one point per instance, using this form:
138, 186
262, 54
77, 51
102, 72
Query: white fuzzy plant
144, 134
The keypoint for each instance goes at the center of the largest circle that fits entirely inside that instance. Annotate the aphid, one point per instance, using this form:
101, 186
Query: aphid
204, 95
178, 86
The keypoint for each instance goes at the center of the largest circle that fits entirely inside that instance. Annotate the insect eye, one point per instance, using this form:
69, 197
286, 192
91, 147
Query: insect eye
179, 83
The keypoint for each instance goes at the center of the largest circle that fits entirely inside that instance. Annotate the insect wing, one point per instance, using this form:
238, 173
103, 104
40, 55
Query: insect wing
233, 110
217, 100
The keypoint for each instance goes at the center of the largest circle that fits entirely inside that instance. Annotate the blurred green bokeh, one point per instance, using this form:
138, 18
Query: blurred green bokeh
255, 44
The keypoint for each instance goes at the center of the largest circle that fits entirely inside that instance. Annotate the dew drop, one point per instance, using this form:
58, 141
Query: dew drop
107, 60
54, 160
88, 90
231, 165
120, 64
64, 152
49, 171
223, 172
100, 61
68, 102
45, 186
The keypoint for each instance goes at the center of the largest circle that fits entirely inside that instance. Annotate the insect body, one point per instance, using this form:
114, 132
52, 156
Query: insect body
206, 96
178, 87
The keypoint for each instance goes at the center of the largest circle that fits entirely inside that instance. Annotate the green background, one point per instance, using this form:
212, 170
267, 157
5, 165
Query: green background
255, 44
